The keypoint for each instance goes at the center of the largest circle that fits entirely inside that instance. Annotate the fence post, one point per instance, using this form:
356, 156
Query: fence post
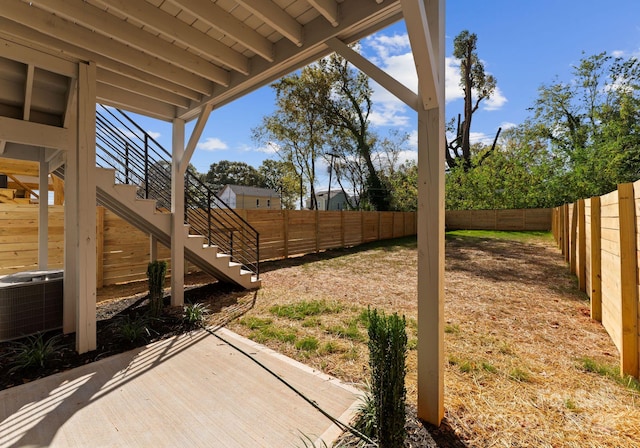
596, 261
317, 231
342, 229
628, 281
582, 249
565, 231
573, 238
286, 233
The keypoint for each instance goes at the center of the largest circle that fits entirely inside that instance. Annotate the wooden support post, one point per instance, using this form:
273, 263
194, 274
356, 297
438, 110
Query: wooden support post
565, 231
628, 281
58, 190
43, 215
86, 202
177, 215
153, 248
596, 260
99, 247
582, 248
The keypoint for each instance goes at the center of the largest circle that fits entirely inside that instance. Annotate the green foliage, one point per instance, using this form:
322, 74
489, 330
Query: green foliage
348, 331
227, 172
255, 323
132, 329
301, 310
387, 357
365, 421
194, 314
307, 344
282, 177
33, 352
613, 372
156, 272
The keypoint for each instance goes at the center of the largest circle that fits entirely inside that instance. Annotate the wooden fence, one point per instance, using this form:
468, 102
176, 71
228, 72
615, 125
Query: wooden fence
599, 239
123, 251
516, 219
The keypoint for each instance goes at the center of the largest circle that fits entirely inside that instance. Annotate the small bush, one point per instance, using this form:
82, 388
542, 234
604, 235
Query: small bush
156, 272
132, 330
194, 314
34, 352
387, 362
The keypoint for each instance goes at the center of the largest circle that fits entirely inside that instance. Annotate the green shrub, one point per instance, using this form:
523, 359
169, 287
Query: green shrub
194, 314
131, 330
156, 272
34, 352
387, 358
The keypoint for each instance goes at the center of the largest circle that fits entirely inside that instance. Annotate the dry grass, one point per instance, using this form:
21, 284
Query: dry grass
516, 338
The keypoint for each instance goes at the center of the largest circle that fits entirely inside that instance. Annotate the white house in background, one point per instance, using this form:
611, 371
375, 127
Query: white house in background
338, 200
250, 198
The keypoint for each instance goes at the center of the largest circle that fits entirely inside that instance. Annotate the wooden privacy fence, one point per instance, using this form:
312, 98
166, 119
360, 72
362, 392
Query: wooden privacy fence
123, 251
599, 239
515, 219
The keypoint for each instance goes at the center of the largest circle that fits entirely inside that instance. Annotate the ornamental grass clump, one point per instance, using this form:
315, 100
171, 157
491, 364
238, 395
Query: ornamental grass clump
387, 356
156, 272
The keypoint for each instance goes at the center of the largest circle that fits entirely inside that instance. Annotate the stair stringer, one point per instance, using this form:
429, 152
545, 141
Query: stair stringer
121, 199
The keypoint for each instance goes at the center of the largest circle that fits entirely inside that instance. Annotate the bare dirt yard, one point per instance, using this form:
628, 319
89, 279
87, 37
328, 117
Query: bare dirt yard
525, 365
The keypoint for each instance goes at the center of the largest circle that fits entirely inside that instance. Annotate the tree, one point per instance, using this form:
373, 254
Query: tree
281, 177
592, 124
232, 173
476, 86
346, 109
520, 174
297, 128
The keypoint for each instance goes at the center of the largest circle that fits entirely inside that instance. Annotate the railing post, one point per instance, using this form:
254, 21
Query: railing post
146, 166
209, 216
126, 163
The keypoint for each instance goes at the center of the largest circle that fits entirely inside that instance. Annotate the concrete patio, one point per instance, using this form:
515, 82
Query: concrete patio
192, 390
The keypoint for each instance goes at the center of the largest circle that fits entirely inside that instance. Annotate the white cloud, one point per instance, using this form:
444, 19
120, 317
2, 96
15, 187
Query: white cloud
413, 139
496, 101
154, 135
507, 125
452, 89
212, 144
481, 137
269, 148
617, 53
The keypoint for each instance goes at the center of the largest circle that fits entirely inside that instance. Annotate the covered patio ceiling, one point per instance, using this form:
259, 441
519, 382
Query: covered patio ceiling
168, 58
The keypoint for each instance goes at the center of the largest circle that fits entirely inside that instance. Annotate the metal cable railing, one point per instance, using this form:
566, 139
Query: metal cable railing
139, 160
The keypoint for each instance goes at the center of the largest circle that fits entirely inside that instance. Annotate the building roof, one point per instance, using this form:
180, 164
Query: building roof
251, 191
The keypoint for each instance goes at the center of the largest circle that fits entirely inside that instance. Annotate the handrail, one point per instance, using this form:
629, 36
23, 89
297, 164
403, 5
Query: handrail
138, 159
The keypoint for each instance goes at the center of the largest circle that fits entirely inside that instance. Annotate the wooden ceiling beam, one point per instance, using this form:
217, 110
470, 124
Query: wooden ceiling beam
276, 18
101, 22
226, 23
138, 87
329, 9
49, 26
168, 25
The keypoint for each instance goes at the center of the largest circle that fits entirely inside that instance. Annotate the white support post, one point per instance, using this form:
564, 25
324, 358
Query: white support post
153, 248
43, 215
425, 26
71, 210
177, 215
86, 204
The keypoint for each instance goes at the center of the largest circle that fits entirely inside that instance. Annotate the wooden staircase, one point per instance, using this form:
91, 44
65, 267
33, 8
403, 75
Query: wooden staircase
122, 200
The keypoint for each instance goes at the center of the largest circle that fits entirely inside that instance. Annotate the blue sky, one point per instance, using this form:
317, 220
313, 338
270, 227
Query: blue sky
523, 43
